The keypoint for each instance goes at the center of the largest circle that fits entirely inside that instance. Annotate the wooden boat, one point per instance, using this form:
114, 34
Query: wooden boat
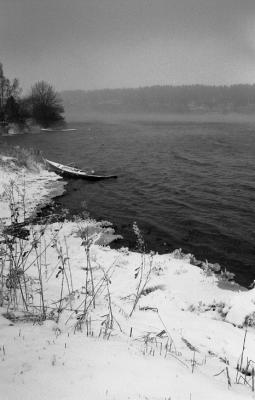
77, 173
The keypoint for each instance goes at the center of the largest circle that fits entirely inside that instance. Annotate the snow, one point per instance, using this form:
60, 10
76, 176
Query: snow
185, 316
39, 363
37, 187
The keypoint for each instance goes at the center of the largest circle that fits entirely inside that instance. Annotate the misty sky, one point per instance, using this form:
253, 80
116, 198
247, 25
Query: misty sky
91, 44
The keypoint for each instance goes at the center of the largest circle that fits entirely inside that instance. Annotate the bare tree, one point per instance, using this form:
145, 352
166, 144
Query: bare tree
8, 89
47, 108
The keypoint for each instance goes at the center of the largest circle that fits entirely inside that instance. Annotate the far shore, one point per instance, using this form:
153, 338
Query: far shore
81, 116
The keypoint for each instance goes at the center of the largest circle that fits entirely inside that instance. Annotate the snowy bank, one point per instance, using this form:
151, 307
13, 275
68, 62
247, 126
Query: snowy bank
35, 186
98, 323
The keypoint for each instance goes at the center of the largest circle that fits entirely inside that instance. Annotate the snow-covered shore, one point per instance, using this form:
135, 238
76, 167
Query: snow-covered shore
37, 187
183, 340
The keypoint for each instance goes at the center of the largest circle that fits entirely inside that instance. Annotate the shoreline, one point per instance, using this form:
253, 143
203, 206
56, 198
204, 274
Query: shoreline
46, 186
116, 245
180, 327
194, 218
39, 187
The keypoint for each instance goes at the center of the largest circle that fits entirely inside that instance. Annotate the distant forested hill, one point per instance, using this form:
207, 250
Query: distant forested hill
163, 99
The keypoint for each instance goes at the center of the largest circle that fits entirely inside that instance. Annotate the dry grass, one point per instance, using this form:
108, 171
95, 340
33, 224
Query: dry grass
23, 157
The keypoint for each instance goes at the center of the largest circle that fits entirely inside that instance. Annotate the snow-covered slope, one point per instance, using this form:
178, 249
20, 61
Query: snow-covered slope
183, 341
36, 187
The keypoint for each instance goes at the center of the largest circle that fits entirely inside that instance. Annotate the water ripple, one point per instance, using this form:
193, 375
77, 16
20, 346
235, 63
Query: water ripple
187, 185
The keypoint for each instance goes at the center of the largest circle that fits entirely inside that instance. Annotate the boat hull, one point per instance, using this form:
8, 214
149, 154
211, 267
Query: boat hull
74, 173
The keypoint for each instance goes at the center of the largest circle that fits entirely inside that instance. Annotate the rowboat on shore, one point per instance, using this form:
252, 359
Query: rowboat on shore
72, 172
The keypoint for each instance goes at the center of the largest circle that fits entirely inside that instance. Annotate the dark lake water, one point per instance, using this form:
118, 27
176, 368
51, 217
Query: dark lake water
188, 185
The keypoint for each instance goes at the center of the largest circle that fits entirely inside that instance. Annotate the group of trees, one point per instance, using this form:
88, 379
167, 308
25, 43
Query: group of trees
41, 106
164, 99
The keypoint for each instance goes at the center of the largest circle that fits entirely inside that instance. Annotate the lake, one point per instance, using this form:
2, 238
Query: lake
187, 184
